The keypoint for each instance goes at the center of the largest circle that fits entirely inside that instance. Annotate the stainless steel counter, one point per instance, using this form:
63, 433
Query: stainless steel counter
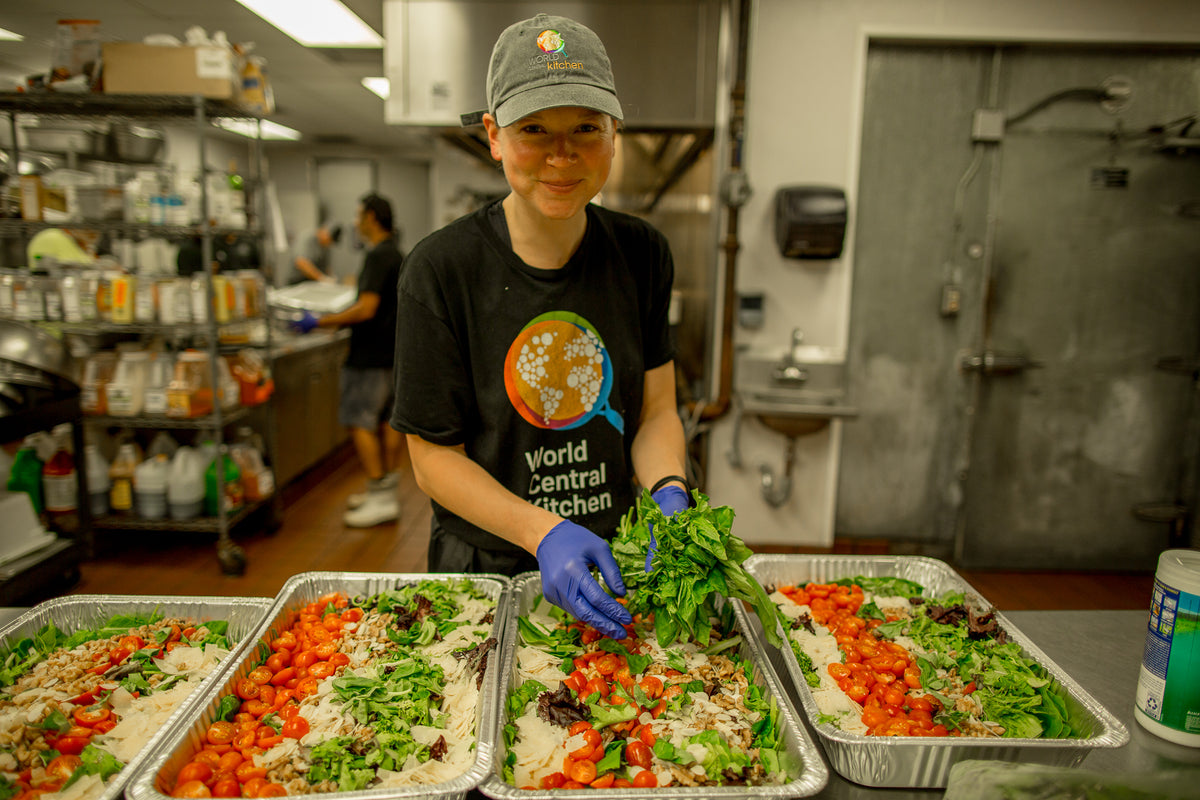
1102, 650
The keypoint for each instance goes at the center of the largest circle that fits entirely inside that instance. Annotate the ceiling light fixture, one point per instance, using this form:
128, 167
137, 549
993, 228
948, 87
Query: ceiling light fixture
316, 23
380, 86
247, 127
9, 36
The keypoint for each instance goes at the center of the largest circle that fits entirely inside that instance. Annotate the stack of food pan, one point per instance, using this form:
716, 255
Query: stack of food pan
76, 613
807, 772
920, 762
157, 779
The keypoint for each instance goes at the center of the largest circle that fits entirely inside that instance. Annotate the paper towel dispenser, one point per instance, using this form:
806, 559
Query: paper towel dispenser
810, 221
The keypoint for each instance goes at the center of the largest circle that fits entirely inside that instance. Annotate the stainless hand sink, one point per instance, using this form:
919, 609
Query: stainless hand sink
791, 396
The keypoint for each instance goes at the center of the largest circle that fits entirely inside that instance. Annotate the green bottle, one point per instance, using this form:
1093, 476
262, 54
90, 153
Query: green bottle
234, 497
26, 474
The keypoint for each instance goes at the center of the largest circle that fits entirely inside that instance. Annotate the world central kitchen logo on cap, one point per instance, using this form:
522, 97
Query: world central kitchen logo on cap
551, 41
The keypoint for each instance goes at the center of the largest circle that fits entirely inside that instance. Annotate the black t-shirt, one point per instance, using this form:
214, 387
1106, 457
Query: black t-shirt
372, 343
538, 373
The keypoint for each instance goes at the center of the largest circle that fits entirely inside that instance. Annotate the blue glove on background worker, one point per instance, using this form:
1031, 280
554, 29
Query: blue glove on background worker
305, 324
565, 557
669, 499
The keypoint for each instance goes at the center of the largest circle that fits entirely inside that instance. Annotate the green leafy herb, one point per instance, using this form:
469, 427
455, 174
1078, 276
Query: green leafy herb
697, 558
95, 762
560, 642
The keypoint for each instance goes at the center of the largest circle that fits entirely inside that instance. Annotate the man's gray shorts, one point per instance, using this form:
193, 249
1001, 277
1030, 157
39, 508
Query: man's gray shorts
366, 397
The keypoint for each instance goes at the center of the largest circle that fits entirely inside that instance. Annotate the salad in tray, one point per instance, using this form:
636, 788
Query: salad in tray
883, 658
673, 703
75, 709
354, 693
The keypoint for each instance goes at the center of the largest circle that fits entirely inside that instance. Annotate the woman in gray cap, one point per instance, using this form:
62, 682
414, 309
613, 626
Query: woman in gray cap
534, 372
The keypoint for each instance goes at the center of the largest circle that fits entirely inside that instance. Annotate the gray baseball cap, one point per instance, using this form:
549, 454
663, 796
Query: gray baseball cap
547, 62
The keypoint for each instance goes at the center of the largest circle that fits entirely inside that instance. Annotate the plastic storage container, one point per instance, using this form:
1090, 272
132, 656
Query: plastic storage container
98, 371
231, 494
190, 393
185, 484
159, 373
127, 389
59, 486
121, 472
150, 487
98, 481
258, 481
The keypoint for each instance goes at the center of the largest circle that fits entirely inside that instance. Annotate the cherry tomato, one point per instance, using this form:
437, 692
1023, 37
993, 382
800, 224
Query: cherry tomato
554, 780
194, 771
279, 678
271, 790
278, 660
305, 659
221, 732
352, 615
325, 649
229, 761
90, 716
604, 781
191, 789
583, 772
62, 767
297, 726
638, 754
226, 787
284, 641
321, 670
105, 726
651, 686
339, 660
247, 689
247, 771
72, 745
261, 675
645, 780
252, 787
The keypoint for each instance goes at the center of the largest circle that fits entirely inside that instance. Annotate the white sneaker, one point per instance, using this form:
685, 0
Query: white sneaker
379, 507
390, 480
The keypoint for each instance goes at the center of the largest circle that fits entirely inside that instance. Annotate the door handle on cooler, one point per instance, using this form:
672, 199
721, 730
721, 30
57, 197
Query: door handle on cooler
991, 363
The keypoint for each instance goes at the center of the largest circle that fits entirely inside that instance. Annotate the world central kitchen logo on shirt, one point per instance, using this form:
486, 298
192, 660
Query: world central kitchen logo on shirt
554, 51
558, 374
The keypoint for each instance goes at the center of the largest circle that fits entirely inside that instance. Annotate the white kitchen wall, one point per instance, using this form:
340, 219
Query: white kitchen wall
804, 105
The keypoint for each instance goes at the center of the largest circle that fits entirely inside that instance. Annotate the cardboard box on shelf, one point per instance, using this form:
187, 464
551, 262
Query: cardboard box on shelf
134, 68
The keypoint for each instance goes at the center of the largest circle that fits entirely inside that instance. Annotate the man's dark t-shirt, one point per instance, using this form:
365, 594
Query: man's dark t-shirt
373, 343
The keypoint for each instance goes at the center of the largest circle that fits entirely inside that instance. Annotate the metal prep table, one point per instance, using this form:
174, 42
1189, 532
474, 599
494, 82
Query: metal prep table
1102, 650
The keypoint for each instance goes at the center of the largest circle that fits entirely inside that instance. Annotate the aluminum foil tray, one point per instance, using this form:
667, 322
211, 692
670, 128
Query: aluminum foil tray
804, 759
155, 780
81, 611
921, 762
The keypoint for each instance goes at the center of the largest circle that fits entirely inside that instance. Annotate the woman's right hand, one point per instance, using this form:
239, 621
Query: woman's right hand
565, 556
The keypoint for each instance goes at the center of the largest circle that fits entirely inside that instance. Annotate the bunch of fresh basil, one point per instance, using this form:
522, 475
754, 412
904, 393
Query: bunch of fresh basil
696, 558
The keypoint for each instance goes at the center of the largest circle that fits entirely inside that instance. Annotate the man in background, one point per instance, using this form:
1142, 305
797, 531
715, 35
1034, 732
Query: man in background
312, 260
366, 378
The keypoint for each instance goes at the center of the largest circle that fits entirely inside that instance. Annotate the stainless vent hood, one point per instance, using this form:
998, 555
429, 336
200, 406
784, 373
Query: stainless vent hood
664, 55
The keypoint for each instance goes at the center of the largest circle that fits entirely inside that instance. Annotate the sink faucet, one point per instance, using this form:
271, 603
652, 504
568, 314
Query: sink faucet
789, 369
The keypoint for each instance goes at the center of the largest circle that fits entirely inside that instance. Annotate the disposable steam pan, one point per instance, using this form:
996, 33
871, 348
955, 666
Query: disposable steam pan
922, 762
154, 782
83, 611
801, 757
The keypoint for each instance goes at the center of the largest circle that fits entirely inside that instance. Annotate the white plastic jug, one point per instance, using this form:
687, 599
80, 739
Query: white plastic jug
127, 389
159, 374
150, 487
185, 484
97, 480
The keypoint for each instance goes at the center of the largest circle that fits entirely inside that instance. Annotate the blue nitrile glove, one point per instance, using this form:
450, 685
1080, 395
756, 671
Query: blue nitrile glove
564, 557
670, 499
305, 323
